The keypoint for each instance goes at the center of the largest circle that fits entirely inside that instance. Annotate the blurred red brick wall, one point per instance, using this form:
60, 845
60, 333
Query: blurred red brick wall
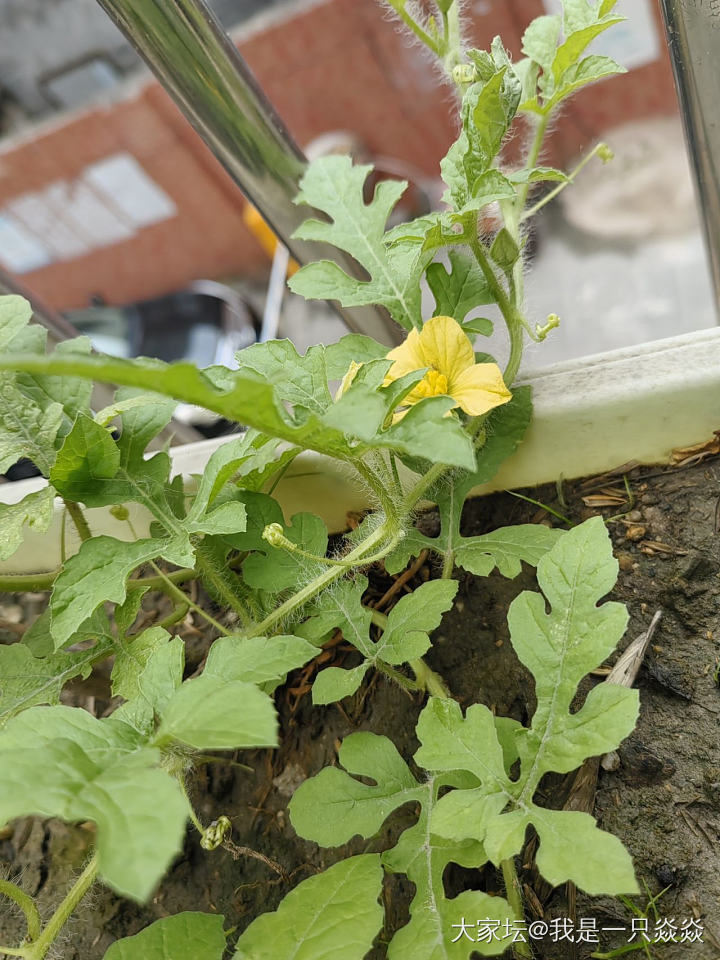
338, 64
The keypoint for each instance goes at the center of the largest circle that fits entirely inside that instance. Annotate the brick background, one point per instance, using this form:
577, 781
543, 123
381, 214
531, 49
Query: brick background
339, 64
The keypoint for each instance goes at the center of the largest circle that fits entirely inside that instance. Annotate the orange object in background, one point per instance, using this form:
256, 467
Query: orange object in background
265, 236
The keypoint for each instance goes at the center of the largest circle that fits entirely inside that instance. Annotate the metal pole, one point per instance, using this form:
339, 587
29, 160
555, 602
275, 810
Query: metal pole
693, 32
202, 70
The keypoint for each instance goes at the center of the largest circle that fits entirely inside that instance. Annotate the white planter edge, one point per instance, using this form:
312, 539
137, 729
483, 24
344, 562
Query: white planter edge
590, 415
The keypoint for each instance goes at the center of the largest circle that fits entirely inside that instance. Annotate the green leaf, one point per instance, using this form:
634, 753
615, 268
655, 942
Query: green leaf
570, 50
425, 428
411, 620
26, 430
272, 568
505, 548
257, 659
211, 713
333, 185
161, 676
185, 936
589, 70
62, 762
538, 175
26, 680
88, 456
505, 251
93, 469
244, 397
559, 647
333, 914
354, 346
460, 290
540, 41
15, 314
95, 574
334, 683
132, 658
488, 109
35, 510
301, 381
333, 807
404, 638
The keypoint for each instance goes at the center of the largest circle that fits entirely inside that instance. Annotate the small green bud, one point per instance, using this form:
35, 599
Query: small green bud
214, 835
275, 535
464, 73
119, 512
542, 331
605, 153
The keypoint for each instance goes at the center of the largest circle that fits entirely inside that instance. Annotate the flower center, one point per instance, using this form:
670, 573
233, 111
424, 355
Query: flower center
435, 383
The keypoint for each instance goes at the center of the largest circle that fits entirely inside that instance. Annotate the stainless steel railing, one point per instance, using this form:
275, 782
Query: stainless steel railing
693, 33
199, 66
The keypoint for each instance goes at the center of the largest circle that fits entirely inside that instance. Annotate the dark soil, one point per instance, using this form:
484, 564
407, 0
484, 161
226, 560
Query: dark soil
663, 800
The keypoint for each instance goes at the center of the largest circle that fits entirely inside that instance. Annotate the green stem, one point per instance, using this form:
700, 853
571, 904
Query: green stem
377, 477
357, 556
514, 898
448, 565
37, 582
78, 518
167, 586
413, 25
39, 949
531, 211
27, 905
191, 810
513, 223
513, 318
425, 677
452, 39
429, 680
222, 583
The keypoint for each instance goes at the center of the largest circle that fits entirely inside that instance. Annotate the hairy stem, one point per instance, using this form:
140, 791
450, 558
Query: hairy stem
38, 950
356, 557
26, 904
428, 679
412, 24
38, 582
511, 314
514, 897
222, 583
78, 518
168, 587
531, 211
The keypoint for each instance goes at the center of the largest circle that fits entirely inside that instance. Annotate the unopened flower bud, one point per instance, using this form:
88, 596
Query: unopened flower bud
464, 73
275, 535
605, 153
119, 512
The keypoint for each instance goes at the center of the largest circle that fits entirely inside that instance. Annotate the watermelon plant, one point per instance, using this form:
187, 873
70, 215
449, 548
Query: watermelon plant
429, 419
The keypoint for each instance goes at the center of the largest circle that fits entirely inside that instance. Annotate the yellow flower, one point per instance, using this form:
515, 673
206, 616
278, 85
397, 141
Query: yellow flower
443, 347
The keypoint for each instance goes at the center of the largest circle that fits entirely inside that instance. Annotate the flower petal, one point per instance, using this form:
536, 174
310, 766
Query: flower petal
480, 388
406, 358
445, 346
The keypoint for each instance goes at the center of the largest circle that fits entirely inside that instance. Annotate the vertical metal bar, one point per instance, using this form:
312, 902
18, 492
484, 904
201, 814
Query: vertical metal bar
693, 33
202, 70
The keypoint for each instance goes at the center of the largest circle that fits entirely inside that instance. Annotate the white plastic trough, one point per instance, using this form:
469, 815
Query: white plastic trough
590, 415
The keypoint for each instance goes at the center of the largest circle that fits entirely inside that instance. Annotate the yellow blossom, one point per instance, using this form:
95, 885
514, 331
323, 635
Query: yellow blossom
443, 348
